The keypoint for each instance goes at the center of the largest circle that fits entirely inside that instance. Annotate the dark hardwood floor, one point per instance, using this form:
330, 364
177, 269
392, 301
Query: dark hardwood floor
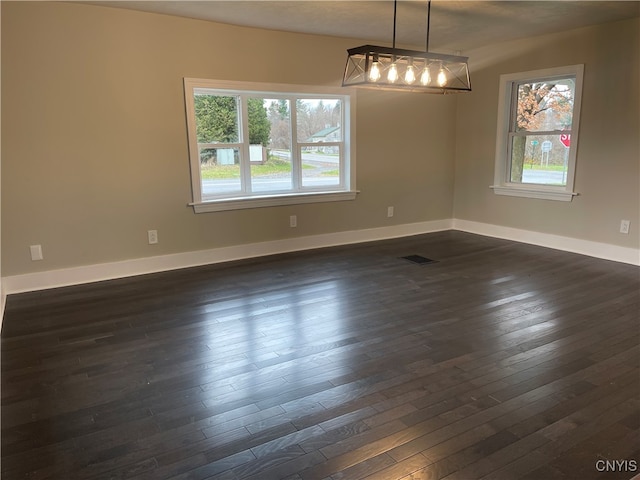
498, 361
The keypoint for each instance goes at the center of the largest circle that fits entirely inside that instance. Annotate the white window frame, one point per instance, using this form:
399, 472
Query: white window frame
502, 184
299, 194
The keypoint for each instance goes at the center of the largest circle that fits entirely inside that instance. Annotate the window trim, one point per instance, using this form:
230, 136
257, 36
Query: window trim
506, 100
345, 191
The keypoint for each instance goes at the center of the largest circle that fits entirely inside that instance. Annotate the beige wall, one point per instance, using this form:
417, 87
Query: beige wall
94, 148
94, 142
608, 161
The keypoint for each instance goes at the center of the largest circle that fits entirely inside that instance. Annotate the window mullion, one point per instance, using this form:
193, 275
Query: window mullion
508, 166
245, 164
296, 154
513, 113
341, 165
529, 133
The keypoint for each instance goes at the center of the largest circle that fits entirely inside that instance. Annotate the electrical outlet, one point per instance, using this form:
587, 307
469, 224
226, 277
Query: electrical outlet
153, 236
36, 252
389, 212
293, 221
624, 226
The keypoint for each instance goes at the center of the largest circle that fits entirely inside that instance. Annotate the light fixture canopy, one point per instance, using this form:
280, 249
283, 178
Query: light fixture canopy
391, 68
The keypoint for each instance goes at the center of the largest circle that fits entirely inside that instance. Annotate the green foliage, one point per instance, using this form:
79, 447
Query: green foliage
279, 109
211, 172
216, 119
259, 125
272, 166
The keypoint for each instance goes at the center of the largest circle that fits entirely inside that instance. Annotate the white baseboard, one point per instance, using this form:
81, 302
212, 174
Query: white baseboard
139, 266
575, 245
107, 271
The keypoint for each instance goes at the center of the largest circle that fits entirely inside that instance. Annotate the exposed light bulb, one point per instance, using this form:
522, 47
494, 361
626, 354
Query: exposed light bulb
442, 78
374, 73
392, 76
425, 78
410, 75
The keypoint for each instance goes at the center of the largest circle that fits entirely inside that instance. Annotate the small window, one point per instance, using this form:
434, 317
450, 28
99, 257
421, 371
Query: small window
254, 145
538, 119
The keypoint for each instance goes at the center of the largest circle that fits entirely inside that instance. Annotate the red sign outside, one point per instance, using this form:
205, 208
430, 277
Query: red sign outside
565, 139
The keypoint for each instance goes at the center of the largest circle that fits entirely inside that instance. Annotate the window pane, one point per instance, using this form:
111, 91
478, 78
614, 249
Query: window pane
270, 144
540, 159
216, 118
319, 120
320, 165
220, 171
545, 106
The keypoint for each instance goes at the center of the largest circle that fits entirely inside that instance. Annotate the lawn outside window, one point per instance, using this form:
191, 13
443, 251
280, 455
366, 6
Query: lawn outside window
538, 120
255, 145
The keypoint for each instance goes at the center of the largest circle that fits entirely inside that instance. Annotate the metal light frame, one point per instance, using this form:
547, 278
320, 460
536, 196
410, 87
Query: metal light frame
391, 68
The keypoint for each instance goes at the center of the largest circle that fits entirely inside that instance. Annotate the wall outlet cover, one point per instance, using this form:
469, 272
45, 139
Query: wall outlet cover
624, 226
152, 236
36, 252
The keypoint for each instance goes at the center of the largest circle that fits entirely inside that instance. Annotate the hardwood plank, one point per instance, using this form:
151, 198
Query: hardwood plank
501, 360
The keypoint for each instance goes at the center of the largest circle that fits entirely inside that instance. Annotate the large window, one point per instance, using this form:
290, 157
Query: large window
538, 121
254, 145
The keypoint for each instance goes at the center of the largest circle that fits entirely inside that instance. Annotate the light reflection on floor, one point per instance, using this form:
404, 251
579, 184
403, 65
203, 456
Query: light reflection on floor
259, 329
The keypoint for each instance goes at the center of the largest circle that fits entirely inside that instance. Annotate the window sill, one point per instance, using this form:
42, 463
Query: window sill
271, 201
532, 192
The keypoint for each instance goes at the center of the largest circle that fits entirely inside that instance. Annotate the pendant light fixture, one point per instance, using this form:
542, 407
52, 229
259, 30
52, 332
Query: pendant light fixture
394, 68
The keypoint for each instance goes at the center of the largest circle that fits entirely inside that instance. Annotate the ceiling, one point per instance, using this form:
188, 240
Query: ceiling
455, 25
